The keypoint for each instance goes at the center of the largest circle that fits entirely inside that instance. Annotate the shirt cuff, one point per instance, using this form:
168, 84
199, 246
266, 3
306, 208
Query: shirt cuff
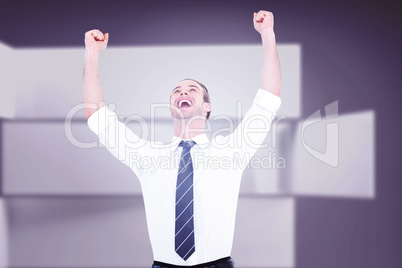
101, 119
267, 100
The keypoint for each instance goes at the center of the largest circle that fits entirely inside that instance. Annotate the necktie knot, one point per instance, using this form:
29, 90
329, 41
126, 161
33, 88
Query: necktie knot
187, 144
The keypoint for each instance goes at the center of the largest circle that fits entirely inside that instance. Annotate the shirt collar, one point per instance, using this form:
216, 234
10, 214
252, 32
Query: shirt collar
201, 140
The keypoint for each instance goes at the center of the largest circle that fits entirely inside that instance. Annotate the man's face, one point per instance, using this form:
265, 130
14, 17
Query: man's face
188, 99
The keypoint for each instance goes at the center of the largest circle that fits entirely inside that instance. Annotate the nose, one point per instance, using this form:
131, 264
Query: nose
183, 92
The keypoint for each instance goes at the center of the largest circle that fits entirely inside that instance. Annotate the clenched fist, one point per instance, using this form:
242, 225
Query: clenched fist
263, 21
96, 40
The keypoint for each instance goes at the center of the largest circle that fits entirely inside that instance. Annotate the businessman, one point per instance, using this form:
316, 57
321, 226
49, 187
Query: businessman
191, 205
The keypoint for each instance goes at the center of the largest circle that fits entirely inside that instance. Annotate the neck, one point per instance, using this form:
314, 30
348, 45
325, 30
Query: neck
188, 128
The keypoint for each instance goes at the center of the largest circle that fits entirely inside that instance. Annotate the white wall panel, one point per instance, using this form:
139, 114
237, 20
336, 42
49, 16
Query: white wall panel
133, 78
9, 77
335, 157
78, 232
3, 234
39, 159
111, 232
267, 170
265, 233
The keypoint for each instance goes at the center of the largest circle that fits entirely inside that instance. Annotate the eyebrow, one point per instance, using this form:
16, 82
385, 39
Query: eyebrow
189, 86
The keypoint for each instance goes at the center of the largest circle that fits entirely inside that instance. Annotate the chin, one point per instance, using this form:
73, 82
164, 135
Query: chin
183, 116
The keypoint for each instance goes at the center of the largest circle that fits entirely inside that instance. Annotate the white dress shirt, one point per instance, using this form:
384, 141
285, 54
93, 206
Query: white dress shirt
218, 167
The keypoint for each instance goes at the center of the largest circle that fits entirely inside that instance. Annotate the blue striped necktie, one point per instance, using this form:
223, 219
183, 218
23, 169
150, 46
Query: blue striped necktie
184, 225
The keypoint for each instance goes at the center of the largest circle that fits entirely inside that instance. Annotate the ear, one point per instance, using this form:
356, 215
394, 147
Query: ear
207, 107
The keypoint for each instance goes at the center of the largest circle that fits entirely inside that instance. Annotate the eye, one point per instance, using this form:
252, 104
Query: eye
193, 89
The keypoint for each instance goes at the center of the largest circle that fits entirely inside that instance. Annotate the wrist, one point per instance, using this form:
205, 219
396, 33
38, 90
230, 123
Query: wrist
268, 37
92, 52
91, 55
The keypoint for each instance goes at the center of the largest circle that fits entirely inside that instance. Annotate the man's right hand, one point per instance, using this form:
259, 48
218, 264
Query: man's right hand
95, 40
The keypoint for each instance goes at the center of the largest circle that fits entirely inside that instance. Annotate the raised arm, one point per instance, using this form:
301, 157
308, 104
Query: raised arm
95, 42
270, 71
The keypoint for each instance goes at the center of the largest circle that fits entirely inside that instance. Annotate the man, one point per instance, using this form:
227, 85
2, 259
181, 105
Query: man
190, 207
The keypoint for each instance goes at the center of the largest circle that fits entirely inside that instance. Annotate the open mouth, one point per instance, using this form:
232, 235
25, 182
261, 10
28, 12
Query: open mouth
184, 103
